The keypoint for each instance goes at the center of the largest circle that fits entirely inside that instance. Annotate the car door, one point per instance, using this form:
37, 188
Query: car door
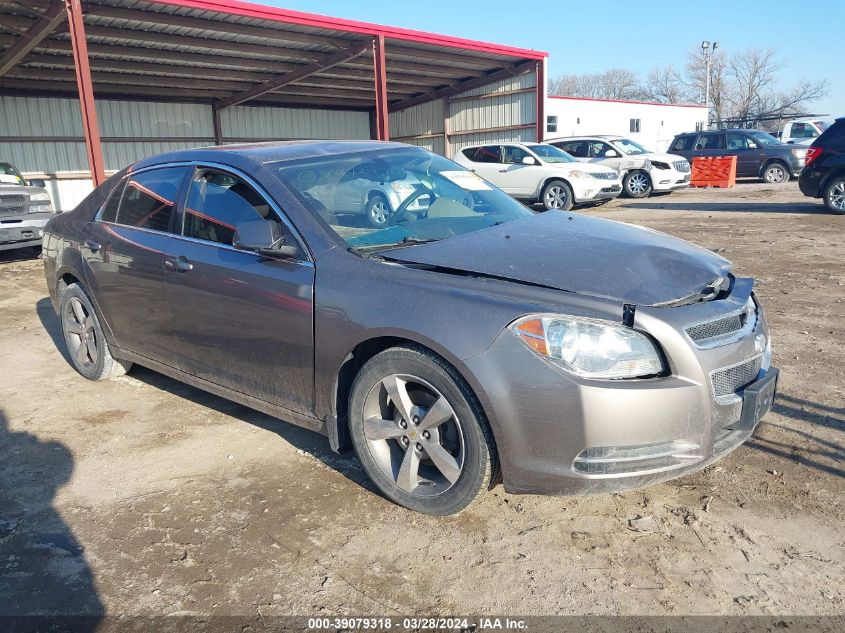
746, 151
515, 177
239, 319
486, 161
125, 248
579, 149
599, 150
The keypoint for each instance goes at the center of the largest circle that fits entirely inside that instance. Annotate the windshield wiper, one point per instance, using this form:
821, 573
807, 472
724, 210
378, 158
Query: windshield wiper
405, 241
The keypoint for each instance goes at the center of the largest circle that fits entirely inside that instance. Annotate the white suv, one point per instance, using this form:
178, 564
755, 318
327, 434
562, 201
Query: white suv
538, 172
642, 171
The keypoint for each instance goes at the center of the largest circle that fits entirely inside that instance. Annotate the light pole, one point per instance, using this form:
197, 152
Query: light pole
708, 55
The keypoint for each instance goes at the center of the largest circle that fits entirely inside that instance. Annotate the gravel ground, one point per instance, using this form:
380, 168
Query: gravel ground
146, 496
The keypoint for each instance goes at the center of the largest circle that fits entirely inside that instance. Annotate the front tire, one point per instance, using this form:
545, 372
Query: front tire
834, 195
420, 433
637, 184
89, 353
378, 211
776, 173
557, 194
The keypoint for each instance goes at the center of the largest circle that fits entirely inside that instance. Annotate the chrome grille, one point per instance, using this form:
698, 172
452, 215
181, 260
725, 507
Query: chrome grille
681, 166
718, 328
13, 204
605, 176
729, 380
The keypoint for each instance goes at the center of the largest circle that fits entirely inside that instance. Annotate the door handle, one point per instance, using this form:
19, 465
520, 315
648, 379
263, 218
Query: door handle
503, 171
180, 264
93, 246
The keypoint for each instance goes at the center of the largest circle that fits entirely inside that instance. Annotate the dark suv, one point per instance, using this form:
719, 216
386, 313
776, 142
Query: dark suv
758, 154
823, 175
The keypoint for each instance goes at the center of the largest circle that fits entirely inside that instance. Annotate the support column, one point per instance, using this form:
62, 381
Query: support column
90, 127
218, 126
380, 72
541, 100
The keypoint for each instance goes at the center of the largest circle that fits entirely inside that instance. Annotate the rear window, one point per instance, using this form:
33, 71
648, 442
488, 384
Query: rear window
485, 154
683, 143
834, 134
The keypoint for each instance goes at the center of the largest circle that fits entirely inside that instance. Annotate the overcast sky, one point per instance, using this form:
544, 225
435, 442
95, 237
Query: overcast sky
590, 36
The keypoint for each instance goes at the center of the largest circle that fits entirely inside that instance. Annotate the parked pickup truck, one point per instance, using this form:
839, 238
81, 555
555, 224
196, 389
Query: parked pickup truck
802, 131
25, 209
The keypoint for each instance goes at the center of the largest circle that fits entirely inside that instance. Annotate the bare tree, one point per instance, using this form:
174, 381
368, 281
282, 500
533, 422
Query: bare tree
616, 83
666, 85
697, 81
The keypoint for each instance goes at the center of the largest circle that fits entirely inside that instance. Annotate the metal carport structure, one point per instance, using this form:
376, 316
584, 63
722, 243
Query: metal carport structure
227, 54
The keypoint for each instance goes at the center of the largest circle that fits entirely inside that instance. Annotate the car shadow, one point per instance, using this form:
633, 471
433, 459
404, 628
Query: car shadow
817, 448
809, 208
20, 254
303, 439
44, 571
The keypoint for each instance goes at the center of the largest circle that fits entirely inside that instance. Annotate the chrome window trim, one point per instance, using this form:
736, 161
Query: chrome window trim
280, 215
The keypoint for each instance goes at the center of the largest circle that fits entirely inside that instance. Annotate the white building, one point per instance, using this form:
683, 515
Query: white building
653, 125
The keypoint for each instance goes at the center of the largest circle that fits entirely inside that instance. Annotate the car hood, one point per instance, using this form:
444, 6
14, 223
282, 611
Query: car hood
577, 253
664, 158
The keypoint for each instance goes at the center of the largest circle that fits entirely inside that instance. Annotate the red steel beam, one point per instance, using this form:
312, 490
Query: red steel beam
90, 127
42, 27
541, 100
380, 76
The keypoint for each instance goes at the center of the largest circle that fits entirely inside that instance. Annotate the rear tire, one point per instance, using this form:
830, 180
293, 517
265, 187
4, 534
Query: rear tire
776, 173
637, 184
834, 195
87, 347
378, 211
557, 195
433, 452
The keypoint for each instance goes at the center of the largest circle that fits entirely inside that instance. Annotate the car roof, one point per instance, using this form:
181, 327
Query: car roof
587, 137
519, 143
272, 151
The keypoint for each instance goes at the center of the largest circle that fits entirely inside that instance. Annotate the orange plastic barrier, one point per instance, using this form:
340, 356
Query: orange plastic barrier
713, 171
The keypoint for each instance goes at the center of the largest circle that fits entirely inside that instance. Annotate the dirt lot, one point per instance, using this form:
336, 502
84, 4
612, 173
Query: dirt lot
145, 496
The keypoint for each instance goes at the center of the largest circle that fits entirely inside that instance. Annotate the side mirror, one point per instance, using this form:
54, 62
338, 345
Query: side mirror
37, 182
529, 160
263, 237
611, 153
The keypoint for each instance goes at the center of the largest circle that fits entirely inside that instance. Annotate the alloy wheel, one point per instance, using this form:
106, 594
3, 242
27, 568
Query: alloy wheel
637, 184
837, 196
775, 174
81, 335
414, 435
555, 197
379, 212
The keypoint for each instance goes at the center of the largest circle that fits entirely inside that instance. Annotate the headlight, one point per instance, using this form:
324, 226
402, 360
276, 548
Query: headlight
588, 347
799, 153
659, 165
577, 173
39, 196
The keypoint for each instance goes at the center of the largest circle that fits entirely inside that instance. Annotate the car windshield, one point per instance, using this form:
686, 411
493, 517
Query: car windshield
762, 138
629, 147
9, 175
822, 125
552, 154
396, 197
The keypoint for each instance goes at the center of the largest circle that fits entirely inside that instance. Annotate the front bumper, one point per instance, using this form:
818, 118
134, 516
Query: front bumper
548, 423
669, 179
595, 189
23, 231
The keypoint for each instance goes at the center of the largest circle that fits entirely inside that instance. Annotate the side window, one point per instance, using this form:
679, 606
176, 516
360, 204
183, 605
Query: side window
711, 141
738, 141
109, 213
598, 149
684, 143
575, 148
150, 197
217, 203
512, 154
488, 154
